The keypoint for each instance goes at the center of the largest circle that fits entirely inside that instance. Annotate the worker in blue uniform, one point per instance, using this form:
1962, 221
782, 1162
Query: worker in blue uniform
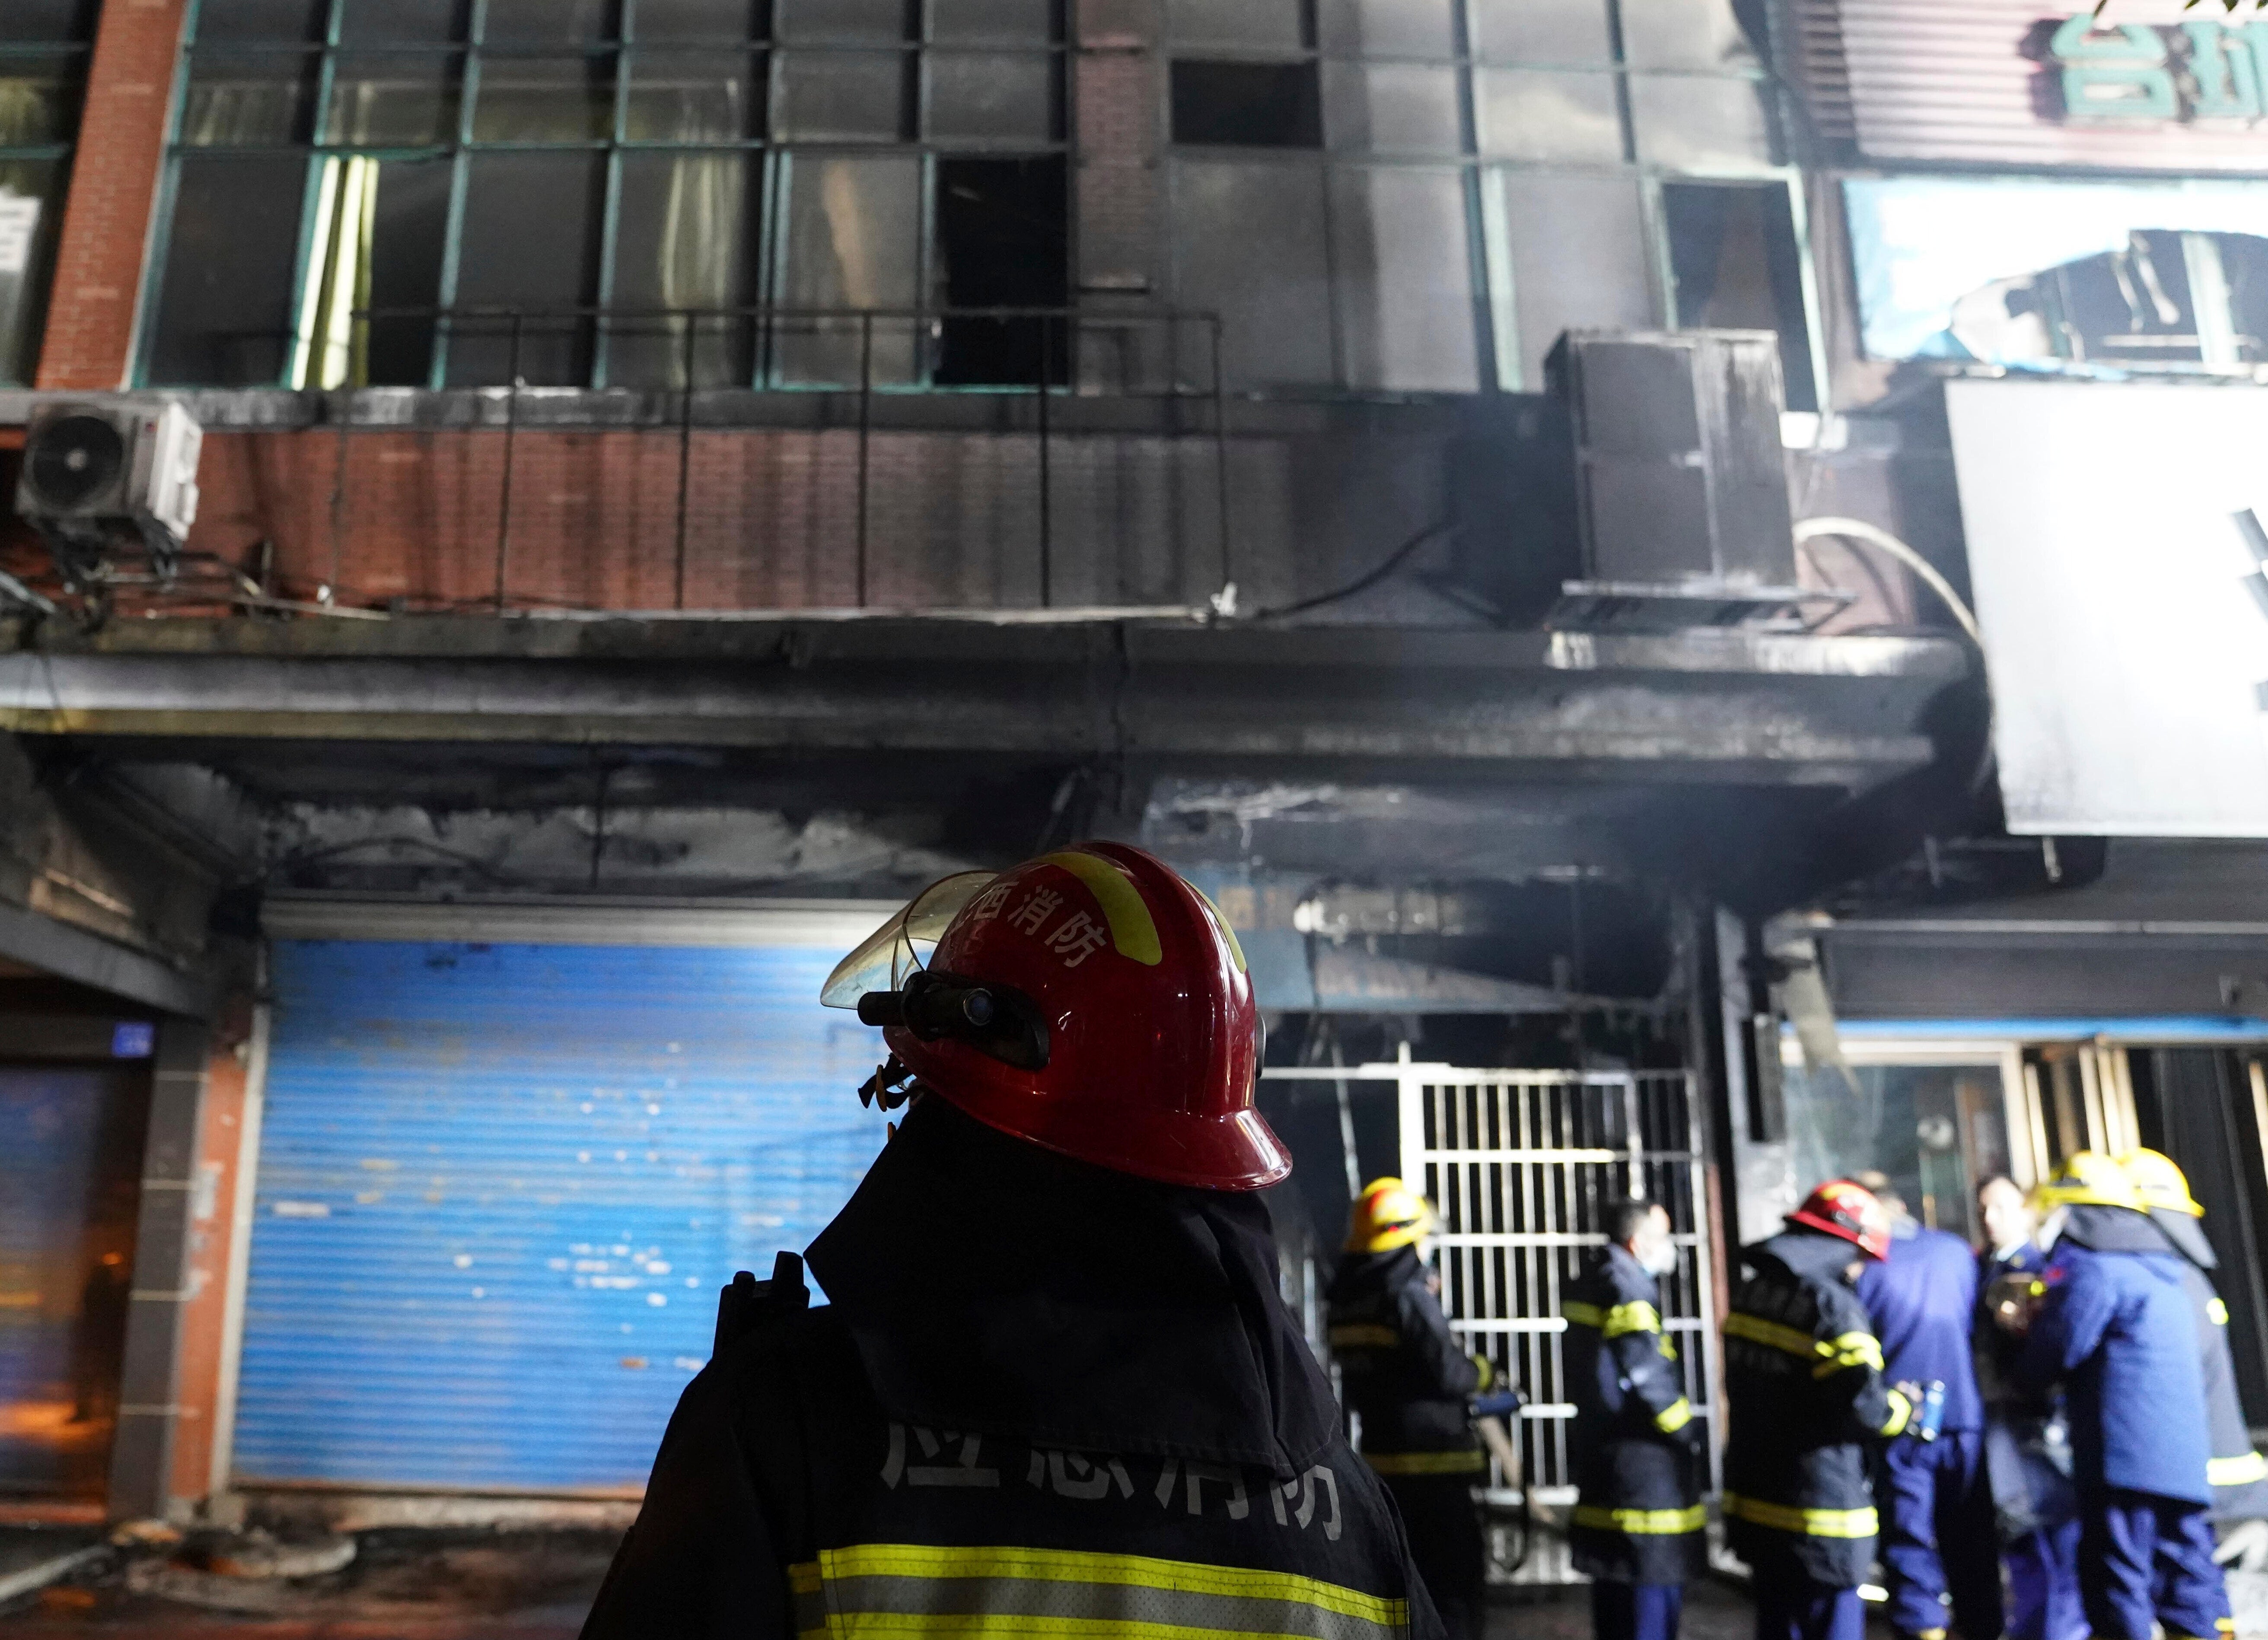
2026, 1436
2114, 1327
1937, 1541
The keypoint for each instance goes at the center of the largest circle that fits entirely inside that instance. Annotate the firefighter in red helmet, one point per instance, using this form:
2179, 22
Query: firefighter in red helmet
1055, 1387
1803, 1380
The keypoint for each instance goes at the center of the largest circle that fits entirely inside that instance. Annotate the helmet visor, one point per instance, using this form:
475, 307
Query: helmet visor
901, 946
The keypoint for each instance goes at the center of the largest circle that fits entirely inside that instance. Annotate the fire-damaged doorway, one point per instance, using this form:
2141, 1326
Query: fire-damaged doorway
75, 1090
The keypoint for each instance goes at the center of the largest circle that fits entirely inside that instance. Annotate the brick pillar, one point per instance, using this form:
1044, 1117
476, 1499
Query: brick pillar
89, 342
1118, 146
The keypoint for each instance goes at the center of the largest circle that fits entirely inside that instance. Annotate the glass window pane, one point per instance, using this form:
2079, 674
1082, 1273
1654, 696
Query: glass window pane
261, 20
1247, 104
1388, 28
544, 99
408, 231
1685, 34
224, 305
1230, 218
1542, 30
393, 101
853, 227
39, 98
978, 97
695, 97
1257, 24
1937, 1130
1700, 123
698, 19
248, 99
1546, 115
402, 22
842, 96
1579, 261
1403, 270
529, 241
548, 22
681, 241
878, 21
30, 211
1025, 22
1404, 108
49, 21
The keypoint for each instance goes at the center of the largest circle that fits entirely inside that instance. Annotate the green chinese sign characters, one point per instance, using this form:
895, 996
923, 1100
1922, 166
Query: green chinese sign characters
2200, 69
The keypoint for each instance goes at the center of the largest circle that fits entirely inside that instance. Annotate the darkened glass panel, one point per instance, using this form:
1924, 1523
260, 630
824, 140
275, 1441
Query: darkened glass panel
550, 22
1006, 21
39, 98
1230, 217
992, 96
280, 20
861, 20
684, 238
695, 97
670, 20
843, 96
403, 22
544, 99
529, 240
409, 232
1247, 104
390, 99
225, 303
1259, 25
30, 211
248, 98
1003, 241
1734, 266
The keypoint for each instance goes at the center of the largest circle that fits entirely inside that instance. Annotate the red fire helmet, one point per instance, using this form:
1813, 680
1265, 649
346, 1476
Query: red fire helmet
1091, 1001
1849, 1211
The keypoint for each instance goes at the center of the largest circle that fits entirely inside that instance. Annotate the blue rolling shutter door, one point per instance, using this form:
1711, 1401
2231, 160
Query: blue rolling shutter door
500, 1186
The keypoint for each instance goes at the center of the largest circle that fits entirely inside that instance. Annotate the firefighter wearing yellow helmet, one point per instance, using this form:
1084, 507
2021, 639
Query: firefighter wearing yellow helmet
2238, 1474
1410, 1379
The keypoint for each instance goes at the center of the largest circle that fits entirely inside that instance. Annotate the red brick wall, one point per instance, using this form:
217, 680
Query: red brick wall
1115, 91
90, 333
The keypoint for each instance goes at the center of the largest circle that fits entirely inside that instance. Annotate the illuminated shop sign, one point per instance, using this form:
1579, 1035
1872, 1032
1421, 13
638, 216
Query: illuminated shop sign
2200, 69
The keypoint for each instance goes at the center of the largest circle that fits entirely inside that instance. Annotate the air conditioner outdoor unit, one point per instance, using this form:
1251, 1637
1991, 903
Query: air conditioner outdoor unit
102, 476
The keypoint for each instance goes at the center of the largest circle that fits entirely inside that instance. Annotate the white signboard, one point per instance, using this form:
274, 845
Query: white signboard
2124, 599
18, 217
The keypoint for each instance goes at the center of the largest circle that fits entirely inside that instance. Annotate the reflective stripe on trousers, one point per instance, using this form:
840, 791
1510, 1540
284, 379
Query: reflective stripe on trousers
1811, 1523
913, 1588
1642, 1522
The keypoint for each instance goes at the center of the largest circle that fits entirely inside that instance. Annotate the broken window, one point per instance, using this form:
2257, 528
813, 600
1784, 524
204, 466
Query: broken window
1002, 241
1734, 265
1247, 104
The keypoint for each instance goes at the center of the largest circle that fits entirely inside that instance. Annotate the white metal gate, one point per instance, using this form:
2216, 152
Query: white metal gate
1522, 1165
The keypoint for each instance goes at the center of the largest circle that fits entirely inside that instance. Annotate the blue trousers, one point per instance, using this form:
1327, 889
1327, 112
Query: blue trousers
1939, 1546
1635, 1610
1796, 1608
2145, 1560
2044, 1601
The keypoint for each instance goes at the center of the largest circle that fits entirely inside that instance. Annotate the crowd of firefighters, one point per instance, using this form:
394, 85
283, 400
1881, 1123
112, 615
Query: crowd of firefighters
1055, 1390
2062, 1401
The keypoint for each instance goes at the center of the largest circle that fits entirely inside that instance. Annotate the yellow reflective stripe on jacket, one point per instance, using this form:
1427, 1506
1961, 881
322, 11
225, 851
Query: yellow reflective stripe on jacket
1364, 1335
2236, 1471
1810, 1522
923, 1589
1637, 1316
1426, 1463
1901, 1413
1675, 1416
2216, 1311
1773, 1335
1852, 1350
1642, 1522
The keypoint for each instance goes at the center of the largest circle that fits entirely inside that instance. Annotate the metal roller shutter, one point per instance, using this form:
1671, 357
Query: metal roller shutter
500, 1185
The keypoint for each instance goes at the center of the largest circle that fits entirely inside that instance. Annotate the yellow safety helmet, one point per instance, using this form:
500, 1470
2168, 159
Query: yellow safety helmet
2086, 1179
2159, 1182
1388, 1214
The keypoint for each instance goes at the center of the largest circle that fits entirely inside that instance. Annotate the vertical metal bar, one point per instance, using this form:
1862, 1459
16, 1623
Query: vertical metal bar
1219, 452
1047, 542
865, 429
685, 457
511, 445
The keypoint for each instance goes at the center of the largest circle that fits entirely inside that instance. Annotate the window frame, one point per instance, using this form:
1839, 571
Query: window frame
39, 270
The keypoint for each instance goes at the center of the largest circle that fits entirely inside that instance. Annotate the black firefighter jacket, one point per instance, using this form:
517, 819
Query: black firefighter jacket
2238, 1474
1044, 1396
1803, 1383
1640, 1518
1403, 1368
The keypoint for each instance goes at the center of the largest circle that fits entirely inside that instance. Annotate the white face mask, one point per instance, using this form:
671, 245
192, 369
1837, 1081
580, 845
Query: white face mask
1660, 1258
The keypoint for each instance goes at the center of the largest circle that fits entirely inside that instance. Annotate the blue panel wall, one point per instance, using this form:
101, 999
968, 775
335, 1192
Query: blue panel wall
500, 1186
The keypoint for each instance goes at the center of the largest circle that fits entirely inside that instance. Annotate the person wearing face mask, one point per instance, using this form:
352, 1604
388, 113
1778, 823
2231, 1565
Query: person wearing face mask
1935, 1499
1638, 1530
2027, 1448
